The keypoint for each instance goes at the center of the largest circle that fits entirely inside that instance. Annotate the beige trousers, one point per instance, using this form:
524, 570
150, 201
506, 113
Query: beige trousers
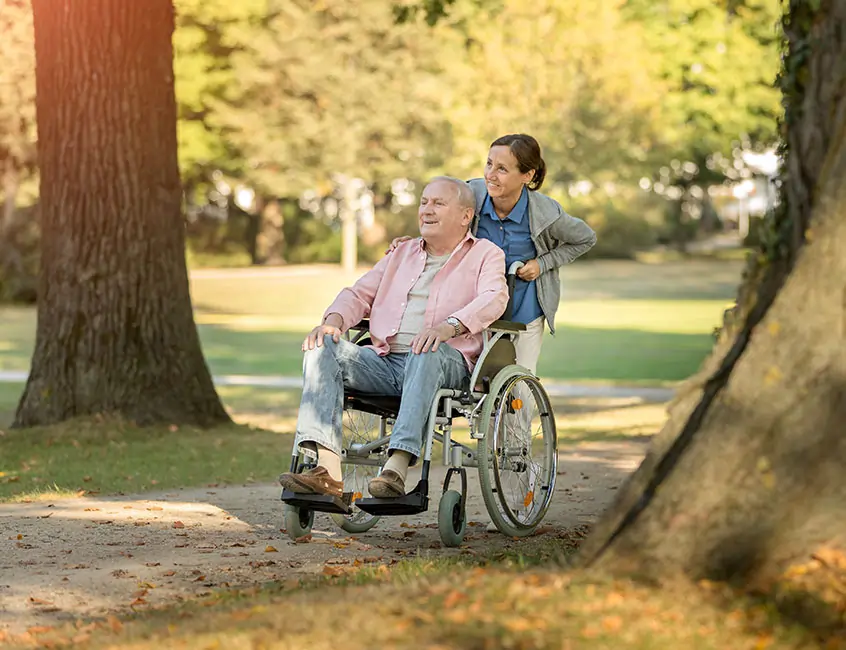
528, 345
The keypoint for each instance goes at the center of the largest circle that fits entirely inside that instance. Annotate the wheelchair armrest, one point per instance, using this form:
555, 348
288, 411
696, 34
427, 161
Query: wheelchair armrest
506, 326
362, 326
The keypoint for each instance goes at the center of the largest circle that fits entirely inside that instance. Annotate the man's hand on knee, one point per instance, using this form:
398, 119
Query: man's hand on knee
432, 338
331, 326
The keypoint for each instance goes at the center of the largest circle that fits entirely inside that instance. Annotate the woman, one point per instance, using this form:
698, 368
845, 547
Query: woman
530, 227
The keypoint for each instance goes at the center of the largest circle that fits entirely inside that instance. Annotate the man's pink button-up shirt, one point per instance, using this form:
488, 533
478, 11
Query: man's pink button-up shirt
471, 286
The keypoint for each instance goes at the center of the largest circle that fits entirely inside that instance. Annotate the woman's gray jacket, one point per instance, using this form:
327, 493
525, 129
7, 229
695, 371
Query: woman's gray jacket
558, 237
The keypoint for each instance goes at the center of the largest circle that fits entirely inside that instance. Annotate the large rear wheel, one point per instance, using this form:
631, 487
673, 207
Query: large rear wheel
518, 456
360, 428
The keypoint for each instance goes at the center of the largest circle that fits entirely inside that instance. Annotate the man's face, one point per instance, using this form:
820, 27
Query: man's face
442, 220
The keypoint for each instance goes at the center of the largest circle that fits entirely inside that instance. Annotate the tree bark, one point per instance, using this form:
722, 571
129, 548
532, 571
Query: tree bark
116, 332
747, 475
10, 198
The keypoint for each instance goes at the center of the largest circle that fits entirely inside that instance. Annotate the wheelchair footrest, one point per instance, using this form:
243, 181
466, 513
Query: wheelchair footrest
413, 503
318, 502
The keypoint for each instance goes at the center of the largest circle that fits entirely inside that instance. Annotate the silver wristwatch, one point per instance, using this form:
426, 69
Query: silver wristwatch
456, 324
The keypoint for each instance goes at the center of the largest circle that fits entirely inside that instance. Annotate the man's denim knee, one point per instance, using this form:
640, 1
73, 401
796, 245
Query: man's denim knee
428, 357
329, 347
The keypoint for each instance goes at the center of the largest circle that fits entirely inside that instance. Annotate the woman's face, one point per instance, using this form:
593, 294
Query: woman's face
502, 174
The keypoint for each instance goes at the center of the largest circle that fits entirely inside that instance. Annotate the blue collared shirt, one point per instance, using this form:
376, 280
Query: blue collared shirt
513, 236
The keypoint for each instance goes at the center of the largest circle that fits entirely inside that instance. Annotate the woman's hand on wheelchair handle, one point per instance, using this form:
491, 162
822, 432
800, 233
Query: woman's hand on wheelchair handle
529, 271
396, 241
432, 338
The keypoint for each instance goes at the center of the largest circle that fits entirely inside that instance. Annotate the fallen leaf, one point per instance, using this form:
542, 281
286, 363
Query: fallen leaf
153, 564
92, 510
169, 573
270, 549
86, 479
178, 524
454, 598
543, 530
333, 571
39, 601
305, 539
519, 625
612, 623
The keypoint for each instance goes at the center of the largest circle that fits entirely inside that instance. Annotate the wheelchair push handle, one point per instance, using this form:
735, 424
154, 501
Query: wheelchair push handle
511, 280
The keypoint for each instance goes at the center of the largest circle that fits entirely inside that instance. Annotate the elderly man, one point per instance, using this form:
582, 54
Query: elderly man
428, 302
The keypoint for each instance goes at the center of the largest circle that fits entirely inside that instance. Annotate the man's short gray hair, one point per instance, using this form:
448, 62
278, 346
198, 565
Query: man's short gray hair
466, 198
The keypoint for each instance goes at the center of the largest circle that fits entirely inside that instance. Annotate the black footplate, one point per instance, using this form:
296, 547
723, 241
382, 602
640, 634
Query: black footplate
318, 502
413, 503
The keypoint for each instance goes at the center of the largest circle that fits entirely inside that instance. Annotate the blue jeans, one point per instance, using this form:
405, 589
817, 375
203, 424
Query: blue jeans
329, 369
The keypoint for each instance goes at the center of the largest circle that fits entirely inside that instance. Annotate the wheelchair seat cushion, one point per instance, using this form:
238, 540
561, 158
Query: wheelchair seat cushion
384, 405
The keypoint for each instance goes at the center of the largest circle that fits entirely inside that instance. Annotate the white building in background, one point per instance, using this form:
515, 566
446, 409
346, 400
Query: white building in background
755, 195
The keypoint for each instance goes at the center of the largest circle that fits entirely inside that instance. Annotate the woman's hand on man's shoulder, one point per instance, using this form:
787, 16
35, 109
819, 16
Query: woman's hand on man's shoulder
395, 242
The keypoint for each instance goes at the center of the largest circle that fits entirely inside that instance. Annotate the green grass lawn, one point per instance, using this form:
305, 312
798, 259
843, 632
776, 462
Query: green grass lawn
109, 456
618, 321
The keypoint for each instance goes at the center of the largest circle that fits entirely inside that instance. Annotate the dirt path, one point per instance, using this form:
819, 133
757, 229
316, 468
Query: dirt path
85, 557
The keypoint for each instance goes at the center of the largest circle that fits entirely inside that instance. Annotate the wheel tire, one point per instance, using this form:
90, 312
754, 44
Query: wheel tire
353, 527
486, 456
452, 521
298, 522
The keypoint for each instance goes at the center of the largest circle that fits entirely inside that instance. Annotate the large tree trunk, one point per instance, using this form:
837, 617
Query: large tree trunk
116, 332
748, 473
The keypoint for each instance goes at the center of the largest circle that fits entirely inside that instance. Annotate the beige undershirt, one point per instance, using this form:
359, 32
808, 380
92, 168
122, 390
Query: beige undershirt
414, 316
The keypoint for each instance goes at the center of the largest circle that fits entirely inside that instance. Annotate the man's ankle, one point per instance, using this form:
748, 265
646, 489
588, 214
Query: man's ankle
398, 462
330, 461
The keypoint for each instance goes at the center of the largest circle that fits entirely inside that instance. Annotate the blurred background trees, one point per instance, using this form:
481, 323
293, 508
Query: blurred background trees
302, 120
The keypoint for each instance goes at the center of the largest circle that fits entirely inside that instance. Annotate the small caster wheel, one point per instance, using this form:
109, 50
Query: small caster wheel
452, 522
298, 521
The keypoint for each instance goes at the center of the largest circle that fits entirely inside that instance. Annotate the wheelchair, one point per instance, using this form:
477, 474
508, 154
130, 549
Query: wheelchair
516, 450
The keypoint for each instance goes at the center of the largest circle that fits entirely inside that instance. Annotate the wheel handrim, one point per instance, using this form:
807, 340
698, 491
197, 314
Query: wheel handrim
520, 479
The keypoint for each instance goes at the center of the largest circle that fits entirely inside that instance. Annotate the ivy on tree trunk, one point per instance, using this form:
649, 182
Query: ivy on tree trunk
116, 331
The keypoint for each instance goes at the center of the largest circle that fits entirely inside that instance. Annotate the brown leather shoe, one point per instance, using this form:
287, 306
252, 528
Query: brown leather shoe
313, 481
388, 485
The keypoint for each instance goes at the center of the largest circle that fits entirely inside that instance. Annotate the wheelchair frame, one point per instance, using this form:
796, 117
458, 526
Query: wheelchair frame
496, 366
